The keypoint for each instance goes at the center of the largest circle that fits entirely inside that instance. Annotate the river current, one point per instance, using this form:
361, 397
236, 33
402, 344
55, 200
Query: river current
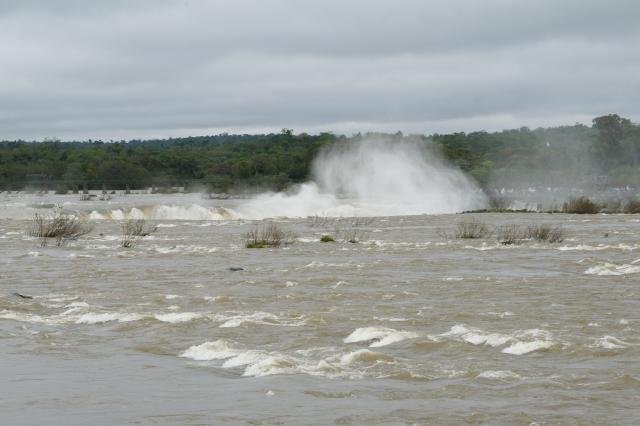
407, 326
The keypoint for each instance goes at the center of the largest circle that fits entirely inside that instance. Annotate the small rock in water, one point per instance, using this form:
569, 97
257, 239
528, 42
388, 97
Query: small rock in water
22, 296
235, 269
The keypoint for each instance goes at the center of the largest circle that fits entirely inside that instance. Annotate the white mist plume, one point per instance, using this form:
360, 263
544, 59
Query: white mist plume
373, 178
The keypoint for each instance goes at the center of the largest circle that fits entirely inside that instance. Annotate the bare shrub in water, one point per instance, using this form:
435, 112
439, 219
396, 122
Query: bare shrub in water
612, 207
351, 230
320, 221
510, 234
471, 229
133, 230
352, 235
581, 205
632, 207
60, 227
545, 233
269, 235
355, 229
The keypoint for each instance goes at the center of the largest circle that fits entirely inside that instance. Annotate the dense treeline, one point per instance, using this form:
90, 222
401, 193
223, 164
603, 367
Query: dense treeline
221, 162
608, 151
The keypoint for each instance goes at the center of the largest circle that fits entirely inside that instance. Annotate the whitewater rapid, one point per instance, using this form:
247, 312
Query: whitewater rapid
375, 177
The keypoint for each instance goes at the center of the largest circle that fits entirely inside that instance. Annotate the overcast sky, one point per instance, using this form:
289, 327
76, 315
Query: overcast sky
154, 68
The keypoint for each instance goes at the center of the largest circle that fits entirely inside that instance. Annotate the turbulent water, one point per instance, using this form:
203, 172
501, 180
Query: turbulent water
376, 177
407, 326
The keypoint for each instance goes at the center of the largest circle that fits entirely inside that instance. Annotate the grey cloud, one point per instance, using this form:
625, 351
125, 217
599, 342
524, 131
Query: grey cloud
78, 69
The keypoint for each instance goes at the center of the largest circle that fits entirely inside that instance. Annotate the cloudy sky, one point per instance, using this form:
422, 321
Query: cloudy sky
158, 68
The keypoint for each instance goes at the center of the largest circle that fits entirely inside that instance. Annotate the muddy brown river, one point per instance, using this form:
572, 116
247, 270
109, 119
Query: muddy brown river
407, 326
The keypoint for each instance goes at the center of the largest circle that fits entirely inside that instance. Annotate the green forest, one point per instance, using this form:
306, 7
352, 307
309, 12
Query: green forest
607, 152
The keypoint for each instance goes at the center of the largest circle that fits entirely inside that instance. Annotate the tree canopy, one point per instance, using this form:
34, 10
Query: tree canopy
568, 155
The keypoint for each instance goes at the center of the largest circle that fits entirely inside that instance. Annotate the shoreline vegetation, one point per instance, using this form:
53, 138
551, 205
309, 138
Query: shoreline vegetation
603, 155
576, 205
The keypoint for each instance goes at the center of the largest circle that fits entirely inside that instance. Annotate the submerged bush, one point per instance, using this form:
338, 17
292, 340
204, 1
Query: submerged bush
270, 235
632, 207
515, 234
59, 227
510, 234
545, 233
353, 230
133, 230
580, 205
611, 207
471, 229
327, 239
347, 229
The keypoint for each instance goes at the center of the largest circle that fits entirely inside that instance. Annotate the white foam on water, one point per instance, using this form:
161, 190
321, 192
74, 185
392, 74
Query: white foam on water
318, 264
77, 305
474, 336
391, 319
216, 298
165, 212
375, 177
610, 342
80, 256
98, 318
73, 314
208, 351
238, 320
243, 358
261, 318
192, 212
498, 375
307, 240
338, 284
260, 363
24, 317
501, 314
586, 247
521, 348
71, 311
177, 317
271, 365
611, 269
187, 249
485, 247
379, 336
521, 342
62, 298
364, 356
94, 215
